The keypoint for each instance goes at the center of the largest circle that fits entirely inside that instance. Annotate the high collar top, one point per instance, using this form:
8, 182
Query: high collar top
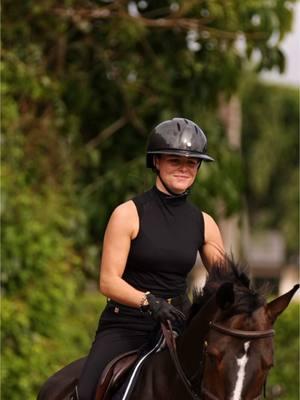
170, 199
171, 231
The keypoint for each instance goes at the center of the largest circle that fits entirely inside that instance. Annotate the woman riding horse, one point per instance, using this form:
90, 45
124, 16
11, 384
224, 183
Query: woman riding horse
150, 245
224, 352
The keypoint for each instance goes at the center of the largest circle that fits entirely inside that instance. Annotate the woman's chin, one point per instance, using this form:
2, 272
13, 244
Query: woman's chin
180, 188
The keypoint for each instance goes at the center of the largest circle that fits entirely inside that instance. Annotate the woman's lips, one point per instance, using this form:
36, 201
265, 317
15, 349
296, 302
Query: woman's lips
181, 176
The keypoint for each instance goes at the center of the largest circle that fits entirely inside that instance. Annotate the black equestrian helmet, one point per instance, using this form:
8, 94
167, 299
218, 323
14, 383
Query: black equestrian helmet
178, 136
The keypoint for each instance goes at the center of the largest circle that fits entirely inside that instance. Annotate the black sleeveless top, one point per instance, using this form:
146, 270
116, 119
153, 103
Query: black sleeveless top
171, 231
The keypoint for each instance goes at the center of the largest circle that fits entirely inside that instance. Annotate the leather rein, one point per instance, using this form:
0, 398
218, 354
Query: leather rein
170, 341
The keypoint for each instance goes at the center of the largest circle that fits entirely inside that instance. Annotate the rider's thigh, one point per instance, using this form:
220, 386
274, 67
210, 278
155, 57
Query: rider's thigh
107, 345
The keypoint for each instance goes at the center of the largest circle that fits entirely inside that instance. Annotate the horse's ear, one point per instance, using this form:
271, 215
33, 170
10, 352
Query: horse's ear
277, 306
225, 295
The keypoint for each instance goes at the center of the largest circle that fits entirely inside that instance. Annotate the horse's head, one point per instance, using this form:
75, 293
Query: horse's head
239, 347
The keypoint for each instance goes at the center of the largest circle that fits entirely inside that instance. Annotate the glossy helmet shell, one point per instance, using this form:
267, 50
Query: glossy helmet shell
178, 136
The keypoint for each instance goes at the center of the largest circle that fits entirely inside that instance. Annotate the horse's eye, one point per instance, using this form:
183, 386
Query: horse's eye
214, 354
267, 359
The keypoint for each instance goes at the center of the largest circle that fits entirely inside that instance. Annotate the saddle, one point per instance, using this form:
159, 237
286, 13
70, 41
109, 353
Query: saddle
114, 373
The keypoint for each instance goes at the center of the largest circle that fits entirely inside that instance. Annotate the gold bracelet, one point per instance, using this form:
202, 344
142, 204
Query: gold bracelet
144, 300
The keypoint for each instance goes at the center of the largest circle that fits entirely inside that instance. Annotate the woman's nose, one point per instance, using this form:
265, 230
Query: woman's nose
183, 166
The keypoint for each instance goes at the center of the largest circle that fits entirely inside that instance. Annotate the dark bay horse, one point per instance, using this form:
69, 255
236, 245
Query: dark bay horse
224, 353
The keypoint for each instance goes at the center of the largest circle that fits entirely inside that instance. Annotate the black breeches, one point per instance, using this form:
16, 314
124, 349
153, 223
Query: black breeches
117, 333
106, 346
121, 329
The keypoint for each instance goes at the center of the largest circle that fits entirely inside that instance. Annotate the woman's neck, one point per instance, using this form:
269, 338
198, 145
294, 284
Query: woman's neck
162, 188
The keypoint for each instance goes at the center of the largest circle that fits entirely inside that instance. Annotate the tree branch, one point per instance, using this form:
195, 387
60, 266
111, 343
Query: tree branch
172, 22
107, 132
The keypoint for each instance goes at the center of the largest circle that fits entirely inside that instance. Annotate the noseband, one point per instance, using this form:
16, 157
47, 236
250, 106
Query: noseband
241, 334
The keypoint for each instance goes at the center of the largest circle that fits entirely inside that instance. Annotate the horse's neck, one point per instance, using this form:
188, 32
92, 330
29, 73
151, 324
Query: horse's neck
190, 344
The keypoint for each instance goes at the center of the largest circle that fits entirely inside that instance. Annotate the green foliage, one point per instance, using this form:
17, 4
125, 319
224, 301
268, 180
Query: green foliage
37, 357
40, 265
37, 280
285, 374
271, 154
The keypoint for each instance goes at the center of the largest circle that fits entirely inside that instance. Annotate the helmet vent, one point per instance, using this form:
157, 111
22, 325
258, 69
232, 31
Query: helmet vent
178, 126
196, 129
186, 121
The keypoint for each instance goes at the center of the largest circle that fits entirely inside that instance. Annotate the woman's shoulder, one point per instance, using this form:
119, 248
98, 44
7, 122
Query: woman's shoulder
124, 210
129, 207
124, 218
208, 219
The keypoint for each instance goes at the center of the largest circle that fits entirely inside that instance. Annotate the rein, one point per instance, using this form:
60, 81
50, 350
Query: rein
170, 341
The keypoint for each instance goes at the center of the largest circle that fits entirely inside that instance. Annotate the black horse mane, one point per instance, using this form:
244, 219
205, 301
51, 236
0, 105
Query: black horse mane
247, 299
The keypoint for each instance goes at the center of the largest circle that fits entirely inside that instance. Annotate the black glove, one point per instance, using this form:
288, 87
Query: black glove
162, 311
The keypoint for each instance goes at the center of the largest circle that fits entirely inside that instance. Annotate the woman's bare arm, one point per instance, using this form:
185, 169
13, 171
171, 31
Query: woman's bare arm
213, 249
121, 229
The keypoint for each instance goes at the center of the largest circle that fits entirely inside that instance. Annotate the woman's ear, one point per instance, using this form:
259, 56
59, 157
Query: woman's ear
156, 162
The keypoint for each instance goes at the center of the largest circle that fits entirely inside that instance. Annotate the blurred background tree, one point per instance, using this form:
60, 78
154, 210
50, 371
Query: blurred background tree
271, 126
84, 82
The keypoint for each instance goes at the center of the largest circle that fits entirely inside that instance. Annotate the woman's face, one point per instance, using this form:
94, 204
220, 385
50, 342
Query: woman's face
177, 172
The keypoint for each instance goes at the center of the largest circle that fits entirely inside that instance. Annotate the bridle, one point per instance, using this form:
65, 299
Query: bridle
237, 333
241, 333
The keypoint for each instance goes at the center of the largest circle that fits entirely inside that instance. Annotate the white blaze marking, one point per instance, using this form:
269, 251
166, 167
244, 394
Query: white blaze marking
241, 362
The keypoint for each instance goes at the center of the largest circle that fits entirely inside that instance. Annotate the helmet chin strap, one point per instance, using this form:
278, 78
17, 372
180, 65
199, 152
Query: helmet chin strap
170, 191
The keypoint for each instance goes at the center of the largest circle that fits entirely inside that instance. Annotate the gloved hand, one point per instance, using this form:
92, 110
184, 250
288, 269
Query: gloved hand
162, 311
